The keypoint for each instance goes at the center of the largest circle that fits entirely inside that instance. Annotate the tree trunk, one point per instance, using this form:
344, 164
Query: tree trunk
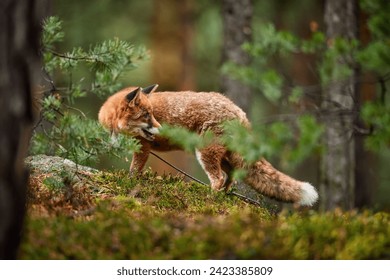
172, 37
237, 25
20, 29
338, 163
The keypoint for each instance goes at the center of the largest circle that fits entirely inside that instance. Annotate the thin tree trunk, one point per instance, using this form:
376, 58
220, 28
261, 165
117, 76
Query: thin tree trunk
20, 29
172, 37
237, 25
338, 163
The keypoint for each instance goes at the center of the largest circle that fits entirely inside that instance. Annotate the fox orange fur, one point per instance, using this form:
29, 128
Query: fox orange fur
139, 112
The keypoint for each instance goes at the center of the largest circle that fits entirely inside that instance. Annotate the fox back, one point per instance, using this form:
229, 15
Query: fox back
196, 111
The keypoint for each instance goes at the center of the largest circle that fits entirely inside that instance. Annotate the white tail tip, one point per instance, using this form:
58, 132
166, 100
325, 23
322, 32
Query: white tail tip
309, 195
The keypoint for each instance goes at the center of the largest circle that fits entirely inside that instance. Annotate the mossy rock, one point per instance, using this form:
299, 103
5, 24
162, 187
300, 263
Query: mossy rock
58, 168
57, 185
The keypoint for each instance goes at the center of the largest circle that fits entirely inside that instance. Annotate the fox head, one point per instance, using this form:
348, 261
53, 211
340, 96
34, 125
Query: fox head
138, 119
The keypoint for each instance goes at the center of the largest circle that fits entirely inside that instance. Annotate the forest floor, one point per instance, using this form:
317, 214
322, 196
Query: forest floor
89, 214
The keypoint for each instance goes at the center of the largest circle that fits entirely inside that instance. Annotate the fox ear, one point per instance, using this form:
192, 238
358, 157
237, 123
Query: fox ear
133, 95
150, 89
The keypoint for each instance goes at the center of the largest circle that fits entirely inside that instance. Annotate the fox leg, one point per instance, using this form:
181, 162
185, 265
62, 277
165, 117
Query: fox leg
140, 158
210, 158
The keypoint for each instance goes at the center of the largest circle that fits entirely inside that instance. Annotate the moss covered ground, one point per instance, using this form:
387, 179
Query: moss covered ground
110, 215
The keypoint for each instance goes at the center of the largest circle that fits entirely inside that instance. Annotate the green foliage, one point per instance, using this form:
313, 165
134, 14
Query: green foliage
52, 32
273, 47
53, 183
340, 52
64, 130
187, 140
314, 44
269, 45
272, 42
81, 140
377, 115
295, 141
268, 81
107, 60
376, 58
247, 143
378, 11
297, 138
153, 217
310, 132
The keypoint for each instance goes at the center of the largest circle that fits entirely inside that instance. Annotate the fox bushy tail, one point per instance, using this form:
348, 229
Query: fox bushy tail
267, 180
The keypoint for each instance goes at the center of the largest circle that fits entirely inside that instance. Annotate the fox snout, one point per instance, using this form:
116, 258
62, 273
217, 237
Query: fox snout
151, 129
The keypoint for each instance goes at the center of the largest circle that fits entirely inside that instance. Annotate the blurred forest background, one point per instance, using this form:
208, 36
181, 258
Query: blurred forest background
187, 51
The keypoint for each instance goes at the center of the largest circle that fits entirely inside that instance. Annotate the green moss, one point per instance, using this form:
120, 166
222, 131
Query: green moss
154, 217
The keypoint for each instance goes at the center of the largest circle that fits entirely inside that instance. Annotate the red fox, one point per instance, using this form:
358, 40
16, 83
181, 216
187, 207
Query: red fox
138, 112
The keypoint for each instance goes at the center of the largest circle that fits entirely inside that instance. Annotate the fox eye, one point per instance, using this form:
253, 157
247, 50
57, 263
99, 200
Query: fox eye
145, 115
